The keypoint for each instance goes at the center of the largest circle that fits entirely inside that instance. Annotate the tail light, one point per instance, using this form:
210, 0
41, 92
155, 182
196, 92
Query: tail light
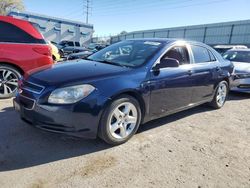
44, 50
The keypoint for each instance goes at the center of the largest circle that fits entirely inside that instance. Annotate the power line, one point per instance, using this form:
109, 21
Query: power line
126, 11
75, 8
128, 4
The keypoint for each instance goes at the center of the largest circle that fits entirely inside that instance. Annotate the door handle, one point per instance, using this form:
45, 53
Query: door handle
190, 72
218, 69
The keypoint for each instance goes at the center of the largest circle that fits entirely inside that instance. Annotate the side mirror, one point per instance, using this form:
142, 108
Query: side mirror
165, 63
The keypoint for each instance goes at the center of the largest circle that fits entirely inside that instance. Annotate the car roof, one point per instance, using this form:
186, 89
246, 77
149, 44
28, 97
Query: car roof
166, 40
23, 25
231, 46
240, 50
170, 40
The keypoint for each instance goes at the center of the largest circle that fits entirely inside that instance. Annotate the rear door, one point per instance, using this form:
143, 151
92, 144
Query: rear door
205, 71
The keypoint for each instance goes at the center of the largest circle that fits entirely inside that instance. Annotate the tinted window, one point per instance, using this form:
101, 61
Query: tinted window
66, 43
201, 54
70, 43
238, 56
179, 53
77, 44
13, 34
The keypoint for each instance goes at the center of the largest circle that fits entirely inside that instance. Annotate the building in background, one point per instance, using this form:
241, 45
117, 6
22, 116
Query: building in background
237, 32
58, 29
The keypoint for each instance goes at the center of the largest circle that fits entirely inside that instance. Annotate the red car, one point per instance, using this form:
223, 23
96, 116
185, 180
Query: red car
22, 48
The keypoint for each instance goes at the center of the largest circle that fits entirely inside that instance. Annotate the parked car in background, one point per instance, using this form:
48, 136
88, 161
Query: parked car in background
60, 51
55, 52
241, 60
223, 48
114, 91
69, 47
22, 48
80, 55
94, 47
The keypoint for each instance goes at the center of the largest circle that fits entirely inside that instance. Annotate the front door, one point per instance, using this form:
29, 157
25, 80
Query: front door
171, 88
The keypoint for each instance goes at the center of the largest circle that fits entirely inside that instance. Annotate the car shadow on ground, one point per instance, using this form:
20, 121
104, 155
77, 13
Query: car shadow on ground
22, 146
174, 117
238, 96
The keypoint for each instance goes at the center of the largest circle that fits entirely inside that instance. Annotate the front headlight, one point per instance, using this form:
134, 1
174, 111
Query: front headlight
69, 95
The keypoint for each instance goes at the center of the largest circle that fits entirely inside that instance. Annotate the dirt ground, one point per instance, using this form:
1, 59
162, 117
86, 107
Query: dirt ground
198, 148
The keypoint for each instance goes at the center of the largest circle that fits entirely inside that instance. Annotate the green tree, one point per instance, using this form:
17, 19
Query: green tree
8, 5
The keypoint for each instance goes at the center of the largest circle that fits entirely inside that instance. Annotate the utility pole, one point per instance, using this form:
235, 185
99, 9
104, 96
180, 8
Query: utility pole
86, 9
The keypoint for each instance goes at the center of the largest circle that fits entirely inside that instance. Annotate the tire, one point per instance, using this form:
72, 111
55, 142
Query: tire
220, 95
9, 77
115, 127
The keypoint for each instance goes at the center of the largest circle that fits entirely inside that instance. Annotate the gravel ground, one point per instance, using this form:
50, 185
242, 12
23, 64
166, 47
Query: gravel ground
199, 148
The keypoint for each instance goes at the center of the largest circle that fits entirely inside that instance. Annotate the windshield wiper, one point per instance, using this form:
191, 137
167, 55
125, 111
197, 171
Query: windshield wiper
109, 62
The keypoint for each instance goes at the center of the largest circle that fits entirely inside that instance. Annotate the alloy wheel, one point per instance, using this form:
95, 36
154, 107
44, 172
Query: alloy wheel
122, 120
221, 94
8, 82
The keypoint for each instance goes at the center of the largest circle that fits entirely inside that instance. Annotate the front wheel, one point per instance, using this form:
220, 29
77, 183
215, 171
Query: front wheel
120, 120
8, 81
220, 96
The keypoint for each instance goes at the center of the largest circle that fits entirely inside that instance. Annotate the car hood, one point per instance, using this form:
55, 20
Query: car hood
241, 67
76, 71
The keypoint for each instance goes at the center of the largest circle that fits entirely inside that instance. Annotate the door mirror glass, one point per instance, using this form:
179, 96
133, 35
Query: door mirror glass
165, 63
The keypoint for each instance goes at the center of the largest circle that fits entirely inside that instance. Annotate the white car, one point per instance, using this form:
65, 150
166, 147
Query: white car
241, 60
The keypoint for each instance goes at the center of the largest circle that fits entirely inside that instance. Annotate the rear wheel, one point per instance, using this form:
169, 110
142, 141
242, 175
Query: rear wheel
220, 95
8, 81
120, 120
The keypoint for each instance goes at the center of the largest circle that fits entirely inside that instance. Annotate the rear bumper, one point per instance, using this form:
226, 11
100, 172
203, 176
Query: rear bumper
69, 120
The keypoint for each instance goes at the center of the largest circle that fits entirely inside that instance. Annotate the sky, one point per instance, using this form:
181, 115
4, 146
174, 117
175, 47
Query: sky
110, 17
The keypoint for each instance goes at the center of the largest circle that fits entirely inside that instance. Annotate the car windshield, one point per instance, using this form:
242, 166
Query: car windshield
237, 56
127, 53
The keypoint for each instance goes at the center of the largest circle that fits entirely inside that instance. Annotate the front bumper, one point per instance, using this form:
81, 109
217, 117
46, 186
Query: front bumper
241, 85
79, 120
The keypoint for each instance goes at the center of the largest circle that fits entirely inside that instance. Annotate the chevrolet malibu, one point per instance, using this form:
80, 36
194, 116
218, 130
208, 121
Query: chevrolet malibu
122, 86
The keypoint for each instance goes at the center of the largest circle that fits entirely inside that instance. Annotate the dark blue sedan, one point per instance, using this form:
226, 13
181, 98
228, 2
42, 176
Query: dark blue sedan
122, 86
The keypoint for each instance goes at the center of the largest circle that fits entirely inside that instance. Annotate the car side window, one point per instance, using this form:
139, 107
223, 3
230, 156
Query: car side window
212, 57
77, 44
12, 34
180, 53
201, 54
70, 43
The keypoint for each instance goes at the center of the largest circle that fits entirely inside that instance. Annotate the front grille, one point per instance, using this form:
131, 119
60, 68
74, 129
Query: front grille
246, 86
27, 102
32, 87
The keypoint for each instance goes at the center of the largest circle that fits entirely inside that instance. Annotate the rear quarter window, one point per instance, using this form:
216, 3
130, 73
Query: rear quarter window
12, 34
